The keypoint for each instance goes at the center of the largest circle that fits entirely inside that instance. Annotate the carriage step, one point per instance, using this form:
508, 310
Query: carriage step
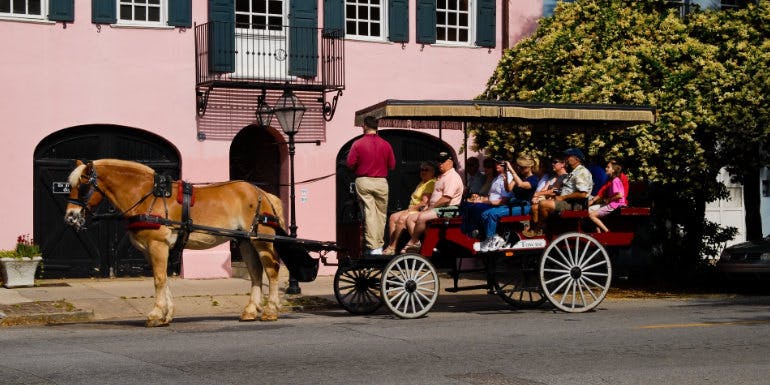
461, 288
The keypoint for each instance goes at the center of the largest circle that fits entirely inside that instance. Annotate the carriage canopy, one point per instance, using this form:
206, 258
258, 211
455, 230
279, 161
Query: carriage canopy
451, 114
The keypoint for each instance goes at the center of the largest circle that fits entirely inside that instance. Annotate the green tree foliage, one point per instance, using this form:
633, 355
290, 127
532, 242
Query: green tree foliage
706, 75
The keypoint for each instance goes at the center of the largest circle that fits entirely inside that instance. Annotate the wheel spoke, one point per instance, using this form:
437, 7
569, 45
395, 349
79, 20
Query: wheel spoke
569, 252
591, 281
595, 274
589, 259
588, 288
558, 263
565, 280
563, 276
557, 271
602, 262
563, 257
566, 290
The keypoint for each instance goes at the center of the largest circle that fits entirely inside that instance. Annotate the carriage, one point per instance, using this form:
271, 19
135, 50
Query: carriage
570, 266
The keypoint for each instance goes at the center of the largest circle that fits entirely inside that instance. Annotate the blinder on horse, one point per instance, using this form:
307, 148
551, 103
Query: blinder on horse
87, 186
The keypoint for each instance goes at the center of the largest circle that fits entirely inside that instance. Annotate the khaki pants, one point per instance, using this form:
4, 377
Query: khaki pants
373, 197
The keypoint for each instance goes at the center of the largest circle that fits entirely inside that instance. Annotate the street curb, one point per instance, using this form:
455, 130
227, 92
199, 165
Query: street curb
42, 313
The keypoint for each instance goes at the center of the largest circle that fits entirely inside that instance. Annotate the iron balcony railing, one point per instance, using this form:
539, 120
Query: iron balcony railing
237, 55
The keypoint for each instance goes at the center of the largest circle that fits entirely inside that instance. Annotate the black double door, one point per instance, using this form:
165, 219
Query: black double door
103, 248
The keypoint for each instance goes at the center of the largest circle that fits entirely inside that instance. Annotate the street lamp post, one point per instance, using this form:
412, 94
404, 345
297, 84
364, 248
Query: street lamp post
289, 111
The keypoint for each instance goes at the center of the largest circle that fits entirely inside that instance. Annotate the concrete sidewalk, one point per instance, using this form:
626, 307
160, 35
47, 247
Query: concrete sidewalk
80, 300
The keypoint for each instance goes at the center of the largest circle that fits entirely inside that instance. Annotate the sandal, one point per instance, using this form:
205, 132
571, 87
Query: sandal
388, 251
411, 247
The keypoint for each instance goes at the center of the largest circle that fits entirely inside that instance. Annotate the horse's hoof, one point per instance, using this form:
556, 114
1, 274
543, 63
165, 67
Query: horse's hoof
248, 317
151, 323
269, 317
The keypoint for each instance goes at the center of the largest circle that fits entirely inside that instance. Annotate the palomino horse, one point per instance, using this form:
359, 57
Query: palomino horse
227, 205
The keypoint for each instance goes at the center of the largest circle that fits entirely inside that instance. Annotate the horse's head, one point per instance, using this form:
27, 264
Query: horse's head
85, 194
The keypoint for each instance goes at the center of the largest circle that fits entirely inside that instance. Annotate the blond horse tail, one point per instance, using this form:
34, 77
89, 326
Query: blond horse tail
275, 205
275, 202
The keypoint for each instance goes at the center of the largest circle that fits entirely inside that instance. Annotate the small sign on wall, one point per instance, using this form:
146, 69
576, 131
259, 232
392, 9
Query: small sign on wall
60, 188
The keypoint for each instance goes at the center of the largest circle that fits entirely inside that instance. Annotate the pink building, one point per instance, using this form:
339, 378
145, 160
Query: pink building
175, 84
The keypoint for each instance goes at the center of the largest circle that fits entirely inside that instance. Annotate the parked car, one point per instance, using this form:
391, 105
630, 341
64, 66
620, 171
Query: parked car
746, 258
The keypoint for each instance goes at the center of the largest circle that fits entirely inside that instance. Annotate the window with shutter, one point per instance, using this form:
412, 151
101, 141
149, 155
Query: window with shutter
180, 13
23, 9
303, 38
453, 21
485, 23
398, 21
221, 35
334, 18
365, 19
426, 21
61, 10
103, 12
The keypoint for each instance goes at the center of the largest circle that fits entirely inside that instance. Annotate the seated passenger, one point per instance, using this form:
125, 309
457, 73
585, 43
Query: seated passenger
576, 186
521, 182
476, 204
613, 197
489, 177
419, 199
447, 194
623, 179
474, 178
549, 188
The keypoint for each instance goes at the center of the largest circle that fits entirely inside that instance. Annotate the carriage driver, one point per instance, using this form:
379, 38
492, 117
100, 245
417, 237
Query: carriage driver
575, 187
370, 158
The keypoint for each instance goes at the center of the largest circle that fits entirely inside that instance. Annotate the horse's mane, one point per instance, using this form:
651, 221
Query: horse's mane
74, 177
124, 164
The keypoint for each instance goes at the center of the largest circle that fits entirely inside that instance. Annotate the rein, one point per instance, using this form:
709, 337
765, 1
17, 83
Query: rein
93, 183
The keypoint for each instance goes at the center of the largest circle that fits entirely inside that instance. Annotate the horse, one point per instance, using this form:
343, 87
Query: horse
237, 206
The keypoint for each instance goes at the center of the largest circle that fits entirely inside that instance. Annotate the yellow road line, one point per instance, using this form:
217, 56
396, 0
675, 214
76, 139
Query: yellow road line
703, 324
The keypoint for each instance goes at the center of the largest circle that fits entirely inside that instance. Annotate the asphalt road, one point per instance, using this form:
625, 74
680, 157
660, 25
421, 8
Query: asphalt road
724, 340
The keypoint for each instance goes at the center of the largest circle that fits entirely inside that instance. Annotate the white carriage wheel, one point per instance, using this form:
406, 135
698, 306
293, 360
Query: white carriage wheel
410, 285
575, 272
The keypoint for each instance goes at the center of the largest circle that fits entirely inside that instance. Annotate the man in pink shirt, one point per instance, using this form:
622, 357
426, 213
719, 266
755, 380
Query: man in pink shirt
447, 195
370, 158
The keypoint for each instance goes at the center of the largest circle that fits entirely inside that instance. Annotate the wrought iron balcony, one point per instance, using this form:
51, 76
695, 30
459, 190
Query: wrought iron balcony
269, 57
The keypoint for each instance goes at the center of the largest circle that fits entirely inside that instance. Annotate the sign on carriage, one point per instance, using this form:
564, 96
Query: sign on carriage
60, 188
529, 244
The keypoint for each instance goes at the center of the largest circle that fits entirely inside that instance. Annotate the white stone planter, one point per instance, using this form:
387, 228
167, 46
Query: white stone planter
19, 272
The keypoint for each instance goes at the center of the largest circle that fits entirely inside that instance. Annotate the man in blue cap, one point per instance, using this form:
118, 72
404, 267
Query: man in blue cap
574, 191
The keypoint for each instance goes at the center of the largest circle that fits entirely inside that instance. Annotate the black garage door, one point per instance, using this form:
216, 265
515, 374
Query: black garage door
103, 249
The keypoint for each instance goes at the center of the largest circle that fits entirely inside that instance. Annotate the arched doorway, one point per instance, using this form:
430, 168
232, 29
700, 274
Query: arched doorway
255, 157
410, 148
103, 249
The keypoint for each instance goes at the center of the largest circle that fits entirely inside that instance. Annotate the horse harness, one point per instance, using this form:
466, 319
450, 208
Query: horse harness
162, 189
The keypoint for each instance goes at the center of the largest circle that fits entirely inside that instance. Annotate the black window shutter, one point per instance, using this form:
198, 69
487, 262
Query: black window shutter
61, 10
426, 21
485, 23
180, 13
398, 21
222, 35
104, 12
334, 18
303, 38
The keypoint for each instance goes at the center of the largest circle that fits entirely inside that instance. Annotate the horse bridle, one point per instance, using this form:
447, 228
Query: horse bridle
93, 186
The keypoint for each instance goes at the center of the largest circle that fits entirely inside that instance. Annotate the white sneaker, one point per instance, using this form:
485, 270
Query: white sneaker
485, 245
476, 246
377, 251
496, 243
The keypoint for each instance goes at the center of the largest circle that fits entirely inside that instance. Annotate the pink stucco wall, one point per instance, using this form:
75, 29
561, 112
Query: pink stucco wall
56, 77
